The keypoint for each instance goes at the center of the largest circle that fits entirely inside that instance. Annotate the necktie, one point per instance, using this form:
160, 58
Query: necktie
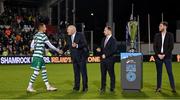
105, 42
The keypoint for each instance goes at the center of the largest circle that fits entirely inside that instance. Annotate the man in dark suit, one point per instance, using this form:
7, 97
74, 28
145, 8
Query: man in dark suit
77, 45
163, 46
107, 51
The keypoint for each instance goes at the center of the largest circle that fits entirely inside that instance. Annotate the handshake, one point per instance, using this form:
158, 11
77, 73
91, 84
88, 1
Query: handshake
60, 51
74, 45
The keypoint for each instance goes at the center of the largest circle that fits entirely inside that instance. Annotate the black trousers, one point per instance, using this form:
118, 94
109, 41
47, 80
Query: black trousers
80, 69
107, 66
159, 66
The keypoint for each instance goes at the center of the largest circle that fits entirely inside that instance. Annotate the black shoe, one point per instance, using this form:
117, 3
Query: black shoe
75, 89
111, 90
84, 89
158, 90
173, 91
102, 90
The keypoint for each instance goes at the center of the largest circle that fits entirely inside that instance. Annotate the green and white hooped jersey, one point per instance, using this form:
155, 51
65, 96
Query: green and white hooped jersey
39, 44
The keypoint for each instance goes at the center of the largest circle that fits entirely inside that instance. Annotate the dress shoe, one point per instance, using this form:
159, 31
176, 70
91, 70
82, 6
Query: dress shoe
111, 90
84, 89
75, 89
102, 90
173, 91
158, 90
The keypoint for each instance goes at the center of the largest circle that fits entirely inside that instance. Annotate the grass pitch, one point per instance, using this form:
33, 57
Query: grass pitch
14, 80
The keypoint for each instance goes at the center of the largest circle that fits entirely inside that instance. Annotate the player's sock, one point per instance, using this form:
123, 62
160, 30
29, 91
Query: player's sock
33, 78
44, 77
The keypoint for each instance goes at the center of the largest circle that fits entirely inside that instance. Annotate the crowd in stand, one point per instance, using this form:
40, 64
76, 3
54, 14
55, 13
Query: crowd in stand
17, 30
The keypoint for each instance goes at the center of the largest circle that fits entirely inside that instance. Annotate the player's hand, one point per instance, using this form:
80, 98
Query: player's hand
98, 49
60, 52
103, 56
31, 50
74, 45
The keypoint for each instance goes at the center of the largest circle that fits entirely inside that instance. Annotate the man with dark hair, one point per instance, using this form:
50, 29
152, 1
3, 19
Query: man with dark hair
164, 23
109, 28
107, 51
163, 46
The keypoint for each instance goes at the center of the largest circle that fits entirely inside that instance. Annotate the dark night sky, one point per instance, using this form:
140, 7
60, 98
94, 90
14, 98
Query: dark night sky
122, 11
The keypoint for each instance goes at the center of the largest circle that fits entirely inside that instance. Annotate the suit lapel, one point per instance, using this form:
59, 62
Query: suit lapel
69, 41
165, 39
160, 39
75, 38
102, 42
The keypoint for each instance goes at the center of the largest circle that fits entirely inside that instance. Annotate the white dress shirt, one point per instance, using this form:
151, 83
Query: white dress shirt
72, 39
163, 37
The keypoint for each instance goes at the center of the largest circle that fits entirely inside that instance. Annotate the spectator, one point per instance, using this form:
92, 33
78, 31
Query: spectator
5, 52
1, 49
17, 29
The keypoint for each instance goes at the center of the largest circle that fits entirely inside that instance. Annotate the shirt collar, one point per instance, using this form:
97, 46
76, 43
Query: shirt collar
73, 34
163, 33
109, 36
40, 32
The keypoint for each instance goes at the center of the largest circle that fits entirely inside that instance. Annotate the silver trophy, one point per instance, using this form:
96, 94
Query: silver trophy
132, 27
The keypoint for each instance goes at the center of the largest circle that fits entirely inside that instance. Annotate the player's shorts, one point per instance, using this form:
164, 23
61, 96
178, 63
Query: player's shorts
37, 63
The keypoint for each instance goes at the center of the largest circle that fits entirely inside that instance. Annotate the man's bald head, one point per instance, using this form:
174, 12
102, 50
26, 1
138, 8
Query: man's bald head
71, 29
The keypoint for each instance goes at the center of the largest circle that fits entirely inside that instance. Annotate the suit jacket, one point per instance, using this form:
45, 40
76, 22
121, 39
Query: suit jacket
77, 54
110, 49
167, 47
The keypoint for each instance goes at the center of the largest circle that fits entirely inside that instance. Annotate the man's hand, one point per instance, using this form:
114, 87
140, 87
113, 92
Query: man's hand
74, 45
161, 56
98, 49
103, 56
